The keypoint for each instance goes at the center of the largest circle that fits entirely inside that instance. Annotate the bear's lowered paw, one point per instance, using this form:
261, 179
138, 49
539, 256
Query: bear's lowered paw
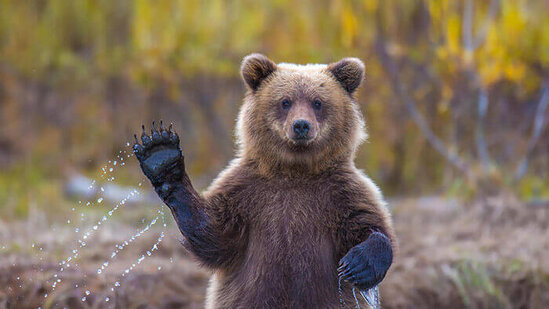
159, 156
366, 264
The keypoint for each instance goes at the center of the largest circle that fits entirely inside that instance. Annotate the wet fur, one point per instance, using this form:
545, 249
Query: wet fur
277, 221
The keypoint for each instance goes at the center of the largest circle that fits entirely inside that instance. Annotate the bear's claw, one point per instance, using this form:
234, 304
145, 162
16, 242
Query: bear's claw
159, 154
157, 137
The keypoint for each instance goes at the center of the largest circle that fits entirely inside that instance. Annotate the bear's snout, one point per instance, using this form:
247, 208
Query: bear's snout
301, 129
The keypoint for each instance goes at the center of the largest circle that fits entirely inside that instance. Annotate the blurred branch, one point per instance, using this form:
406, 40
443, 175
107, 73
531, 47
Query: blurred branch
470, 44
537, 129
418, 118
492, 12
482, 149
467, 26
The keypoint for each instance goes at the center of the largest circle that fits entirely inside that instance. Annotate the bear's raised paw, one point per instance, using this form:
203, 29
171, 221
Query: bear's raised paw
159, 155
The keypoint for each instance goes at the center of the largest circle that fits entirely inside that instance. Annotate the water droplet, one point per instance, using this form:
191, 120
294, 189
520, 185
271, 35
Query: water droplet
107, 299
110, 169
117, 283
87, 292
99, 200
84, 298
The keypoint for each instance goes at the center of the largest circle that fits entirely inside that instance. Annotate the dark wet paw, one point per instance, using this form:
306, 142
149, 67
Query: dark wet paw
159, 155
366, 264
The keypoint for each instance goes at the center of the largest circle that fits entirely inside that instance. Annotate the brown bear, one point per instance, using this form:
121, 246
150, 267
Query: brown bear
290, 216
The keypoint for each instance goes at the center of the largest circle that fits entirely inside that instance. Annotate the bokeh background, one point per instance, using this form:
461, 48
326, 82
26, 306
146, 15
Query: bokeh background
455, 98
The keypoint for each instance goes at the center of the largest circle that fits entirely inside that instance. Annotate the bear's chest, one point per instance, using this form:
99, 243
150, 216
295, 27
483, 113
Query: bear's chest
290, 243
290, 259
289, 215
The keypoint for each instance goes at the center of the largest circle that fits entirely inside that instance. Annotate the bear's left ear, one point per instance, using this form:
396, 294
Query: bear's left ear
349, 72
255, 68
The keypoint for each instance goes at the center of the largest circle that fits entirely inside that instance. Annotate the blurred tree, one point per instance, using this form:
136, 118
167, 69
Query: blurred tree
455, 90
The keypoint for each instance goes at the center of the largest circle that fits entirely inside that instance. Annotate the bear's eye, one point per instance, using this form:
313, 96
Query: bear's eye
286, 104
317, 104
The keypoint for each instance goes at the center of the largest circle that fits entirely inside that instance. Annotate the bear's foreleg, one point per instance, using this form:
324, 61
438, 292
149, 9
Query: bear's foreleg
162, 162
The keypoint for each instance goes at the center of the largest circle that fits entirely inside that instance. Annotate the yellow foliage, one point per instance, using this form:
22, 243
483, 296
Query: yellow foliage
453, 36
86, 49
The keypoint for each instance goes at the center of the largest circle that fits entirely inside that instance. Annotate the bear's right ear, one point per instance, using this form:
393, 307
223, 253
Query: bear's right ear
255, 68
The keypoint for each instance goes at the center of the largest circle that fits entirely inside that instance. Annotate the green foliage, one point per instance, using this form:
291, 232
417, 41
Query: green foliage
474, 280
533, 188
19, 188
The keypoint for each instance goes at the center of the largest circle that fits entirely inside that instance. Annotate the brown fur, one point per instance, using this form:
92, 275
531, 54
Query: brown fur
290, 211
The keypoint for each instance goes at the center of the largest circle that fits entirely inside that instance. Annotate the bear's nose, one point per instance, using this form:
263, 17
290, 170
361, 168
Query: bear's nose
301, 128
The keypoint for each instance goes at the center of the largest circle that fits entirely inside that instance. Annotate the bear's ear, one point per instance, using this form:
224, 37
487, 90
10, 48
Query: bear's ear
349, 72
255, 68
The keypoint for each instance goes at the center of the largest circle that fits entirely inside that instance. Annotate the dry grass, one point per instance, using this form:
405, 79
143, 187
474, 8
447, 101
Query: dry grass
489, 254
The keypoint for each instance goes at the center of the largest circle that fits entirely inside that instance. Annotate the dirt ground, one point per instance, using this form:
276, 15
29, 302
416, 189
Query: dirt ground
492, 253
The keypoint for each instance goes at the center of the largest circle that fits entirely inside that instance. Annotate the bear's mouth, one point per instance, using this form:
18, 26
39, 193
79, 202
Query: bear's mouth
300, 144
301, 141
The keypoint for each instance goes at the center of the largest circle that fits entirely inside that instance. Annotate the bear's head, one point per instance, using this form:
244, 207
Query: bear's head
303, 117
